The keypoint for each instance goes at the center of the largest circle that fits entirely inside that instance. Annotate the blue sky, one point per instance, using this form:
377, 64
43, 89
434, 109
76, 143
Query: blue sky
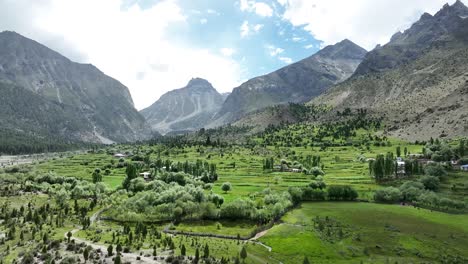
154, 46
216, 25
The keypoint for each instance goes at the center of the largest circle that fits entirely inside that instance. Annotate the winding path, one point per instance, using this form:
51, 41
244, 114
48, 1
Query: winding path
126, 257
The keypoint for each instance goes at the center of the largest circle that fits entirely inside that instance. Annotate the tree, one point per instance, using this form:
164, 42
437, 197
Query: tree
97, 177
182, 250
398, 151
430, 182
69, 235
86, 253
197, 256
405, 151
131, 174
110, 250
206, 251
118, 248
388, 195
435, 169
117, 260
306, 261
462, 148
226, 187
243, 254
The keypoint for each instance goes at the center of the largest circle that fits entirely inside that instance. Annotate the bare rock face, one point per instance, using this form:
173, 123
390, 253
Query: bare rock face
298, 82
418, 81
104, 106
186, 109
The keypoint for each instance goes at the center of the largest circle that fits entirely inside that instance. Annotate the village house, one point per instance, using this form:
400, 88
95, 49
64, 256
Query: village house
401, 165
464, 167
296, 170
119, 155
146, 175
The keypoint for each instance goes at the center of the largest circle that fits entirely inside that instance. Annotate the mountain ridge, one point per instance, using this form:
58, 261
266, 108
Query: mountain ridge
418, 81
184, 109
298, 82
104, 105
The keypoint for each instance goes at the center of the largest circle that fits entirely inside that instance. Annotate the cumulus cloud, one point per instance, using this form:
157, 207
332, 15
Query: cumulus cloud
128, 43
366, 22
286, 60
228, 52
246, 29
260, 8
274, 51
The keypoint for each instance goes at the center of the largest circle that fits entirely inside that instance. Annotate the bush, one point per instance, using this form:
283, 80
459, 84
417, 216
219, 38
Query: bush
430, 182
411, 190
435, 169
342, 192
388, 195
238, 209
311, 194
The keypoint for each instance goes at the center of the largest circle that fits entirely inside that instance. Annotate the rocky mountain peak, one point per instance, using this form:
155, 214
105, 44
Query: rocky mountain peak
458, 8
199, 82
344, 49
185, 109
199, 85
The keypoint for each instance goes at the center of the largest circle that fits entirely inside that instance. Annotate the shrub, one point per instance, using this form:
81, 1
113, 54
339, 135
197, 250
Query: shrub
342, 192
430, 182
435, 169
388, 195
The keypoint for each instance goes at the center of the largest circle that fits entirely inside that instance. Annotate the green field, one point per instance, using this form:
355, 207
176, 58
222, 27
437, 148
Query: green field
373, 233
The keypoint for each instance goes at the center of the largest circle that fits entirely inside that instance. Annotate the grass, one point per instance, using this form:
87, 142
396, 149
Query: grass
229, 228
374, 233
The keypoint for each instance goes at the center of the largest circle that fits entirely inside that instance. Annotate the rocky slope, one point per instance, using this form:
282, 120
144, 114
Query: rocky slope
298, 82
95, 107
418, 81
186, 109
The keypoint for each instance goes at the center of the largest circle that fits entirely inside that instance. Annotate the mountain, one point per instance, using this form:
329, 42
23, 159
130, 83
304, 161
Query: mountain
69, 100
298, 82
418, 81
186, 109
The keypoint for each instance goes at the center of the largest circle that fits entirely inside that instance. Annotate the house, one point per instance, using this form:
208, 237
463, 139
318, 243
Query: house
401, 168
119, 155
296, 170
464, 167
146, 175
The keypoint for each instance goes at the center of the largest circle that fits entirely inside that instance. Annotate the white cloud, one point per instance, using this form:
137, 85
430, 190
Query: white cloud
228, 52
257, 27
286, 60
260, 8
274, 51
297, 39
246, 29
366, 22
129, 44
308, 46
212, 12
203, 21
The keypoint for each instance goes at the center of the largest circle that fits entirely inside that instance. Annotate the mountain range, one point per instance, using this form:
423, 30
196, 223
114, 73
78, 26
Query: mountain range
418, 83
46, 95
186, 109
297, 83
